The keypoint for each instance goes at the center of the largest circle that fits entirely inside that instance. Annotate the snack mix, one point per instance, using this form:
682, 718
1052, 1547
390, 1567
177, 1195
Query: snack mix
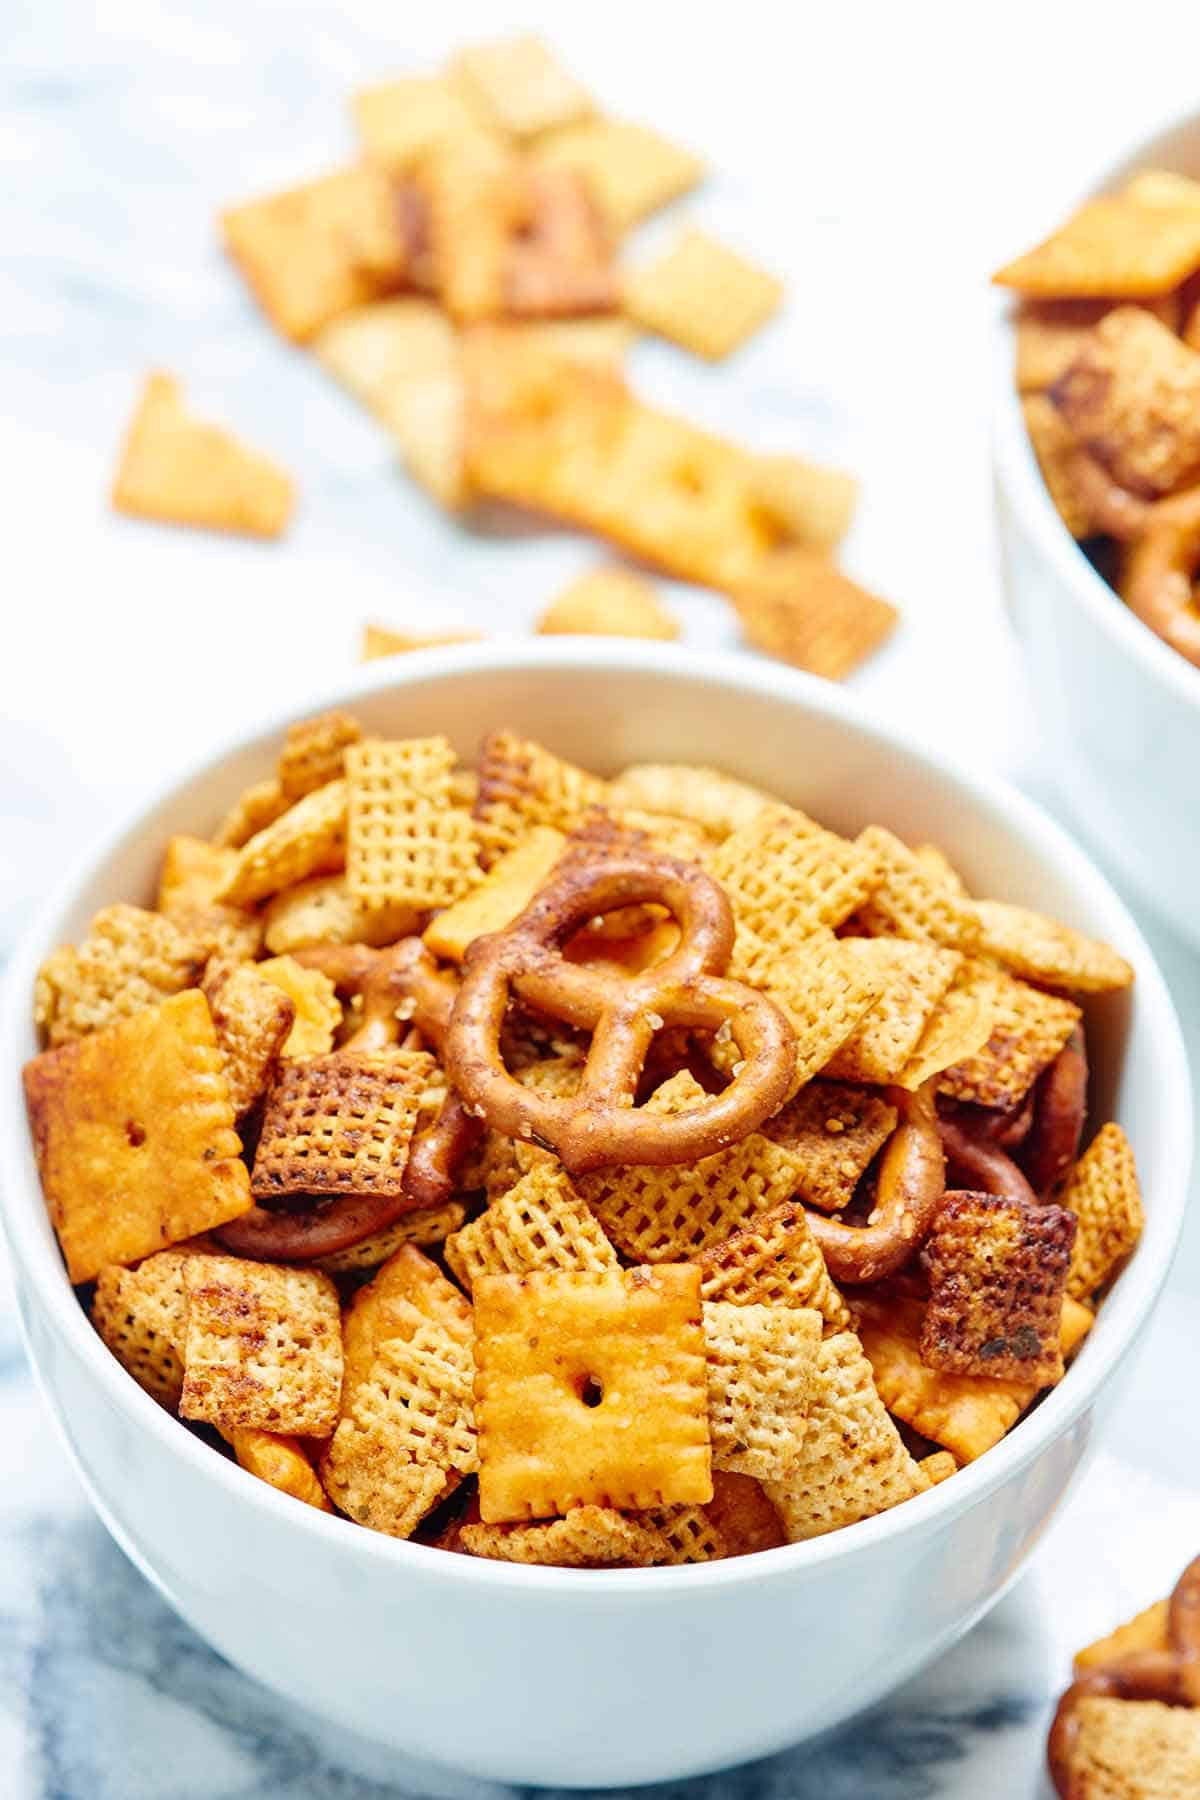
1127, 1728
1108, 367
579, 1171
461, 279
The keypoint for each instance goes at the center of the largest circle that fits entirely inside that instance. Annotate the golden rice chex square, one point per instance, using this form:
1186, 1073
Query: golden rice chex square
1028, 1029
761, 1369
141, 1314
128, 960
822, 985
340, 1124
589, 1537
521, 784
914, 978
308, 838
786, 876
314, 753
835, 1131
263, 1346
1103, 1193
541, 1223
252, 1019
910, 901
591, 1389
407, 843
776, 1260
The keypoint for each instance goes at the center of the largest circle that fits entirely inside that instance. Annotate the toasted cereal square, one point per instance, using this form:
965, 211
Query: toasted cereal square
425, 1228
773, 1261
835, 1131
914, 979
407, 845
938, 1467
672, 1213
715, 802
703, 295
1147, 1630
1049, 334
519, 86
761, 1368
795, 605
742, 1514
318, 1010
314, 251
401, 121
609, 602
631, 169
279, 1460
263, 1346
383, 1308
308, 839
589, 1537
1029, 1028
591, 1390
997, 1275
1131, 397
820, 988
193, 873
129, 960
690, 1534
786, 876
133, 1130
259, 806
340, 1124
806, 502
314, 753
1134, 1750
1042, 950
323, 911
1104, 1195
959, 1027
909, 901
1114, 247
252, 1019
521, 784
852, 1462
141, 1314
505, 891
180, 471
381, 640
540, 1223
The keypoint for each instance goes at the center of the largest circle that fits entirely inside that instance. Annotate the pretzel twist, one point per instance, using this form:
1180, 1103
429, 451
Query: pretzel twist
1171, 1675
978, 1162
399, 985
1160, 568
600, 1126
910, 1191
1059, 1109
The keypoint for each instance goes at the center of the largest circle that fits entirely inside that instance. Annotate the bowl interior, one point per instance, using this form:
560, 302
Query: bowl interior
605, 706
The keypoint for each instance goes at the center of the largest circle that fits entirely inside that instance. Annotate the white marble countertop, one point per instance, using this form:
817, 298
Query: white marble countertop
882, 158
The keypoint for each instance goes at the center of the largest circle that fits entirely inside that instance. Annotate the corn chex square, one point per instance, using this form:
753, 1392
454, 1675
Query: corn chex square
1042, 950
797, 606
134, 1134
703, 295
407, 843
141, 1314
340, 1124
761, 1369
540, 1223
669, 1214
589, 1537
129, 959
314, 753
909, 900
1028, 1029
690, 1534
309, 838
822, 986
776, 1261
708, 798
591, 1390
835, 1131
263, 1346
786, 876
424, 1228
914, 978
1104, 1195
252, 1019
521, 785
383, 1308
852, 1462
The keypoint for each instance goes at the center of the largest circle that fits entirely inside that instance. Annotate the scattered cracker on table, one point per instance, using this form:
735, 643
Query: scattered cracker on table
632, 169
812, 505
263, 1346
703, 295
381, 640
795, 605
520, 86
400, 121
610, 602
176, 469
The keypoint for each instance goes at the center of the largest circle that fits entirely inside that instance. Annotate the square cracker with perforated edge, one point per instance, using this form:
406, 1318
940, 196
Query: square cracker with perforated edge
263, 1346
787, 876
541, 1223
668, 1214
129, 959
401, 121
591, 1389
309, 838
631, 169
776, 1261
761, 1368
914, 978
1103, 1193
835, 1130
852, 1462
133, 1130
703, 295
503, 893
340, 1124
407, 843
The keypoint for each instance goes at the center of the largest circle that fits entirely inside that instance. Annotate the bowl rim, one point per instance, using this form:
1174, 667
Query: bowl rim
1020, 478
38, 1267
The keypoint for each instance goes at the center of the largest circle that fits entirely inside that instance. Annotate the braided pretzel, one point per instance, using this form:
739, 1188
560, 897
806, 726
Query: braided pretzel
600, 1126
1171, 1675
403, 979
1156, 581
911, 1187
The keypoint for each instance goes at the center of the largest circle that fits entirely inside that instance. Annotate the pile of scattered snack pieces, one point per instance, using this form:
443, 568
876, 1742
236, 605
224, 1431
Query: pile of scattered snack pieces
461, 280
577, 1170
1108, 365
1127, 1728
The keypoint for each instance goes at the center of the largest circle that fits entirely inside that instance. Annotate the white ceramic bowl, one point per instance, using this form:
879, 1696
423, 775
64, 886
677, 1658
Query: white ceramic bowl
581, 1678
1118, 711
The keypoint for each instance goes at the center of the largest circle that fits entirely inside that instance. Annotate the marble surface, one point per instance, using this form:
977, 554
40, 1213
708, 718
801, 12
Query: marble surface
882, 164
